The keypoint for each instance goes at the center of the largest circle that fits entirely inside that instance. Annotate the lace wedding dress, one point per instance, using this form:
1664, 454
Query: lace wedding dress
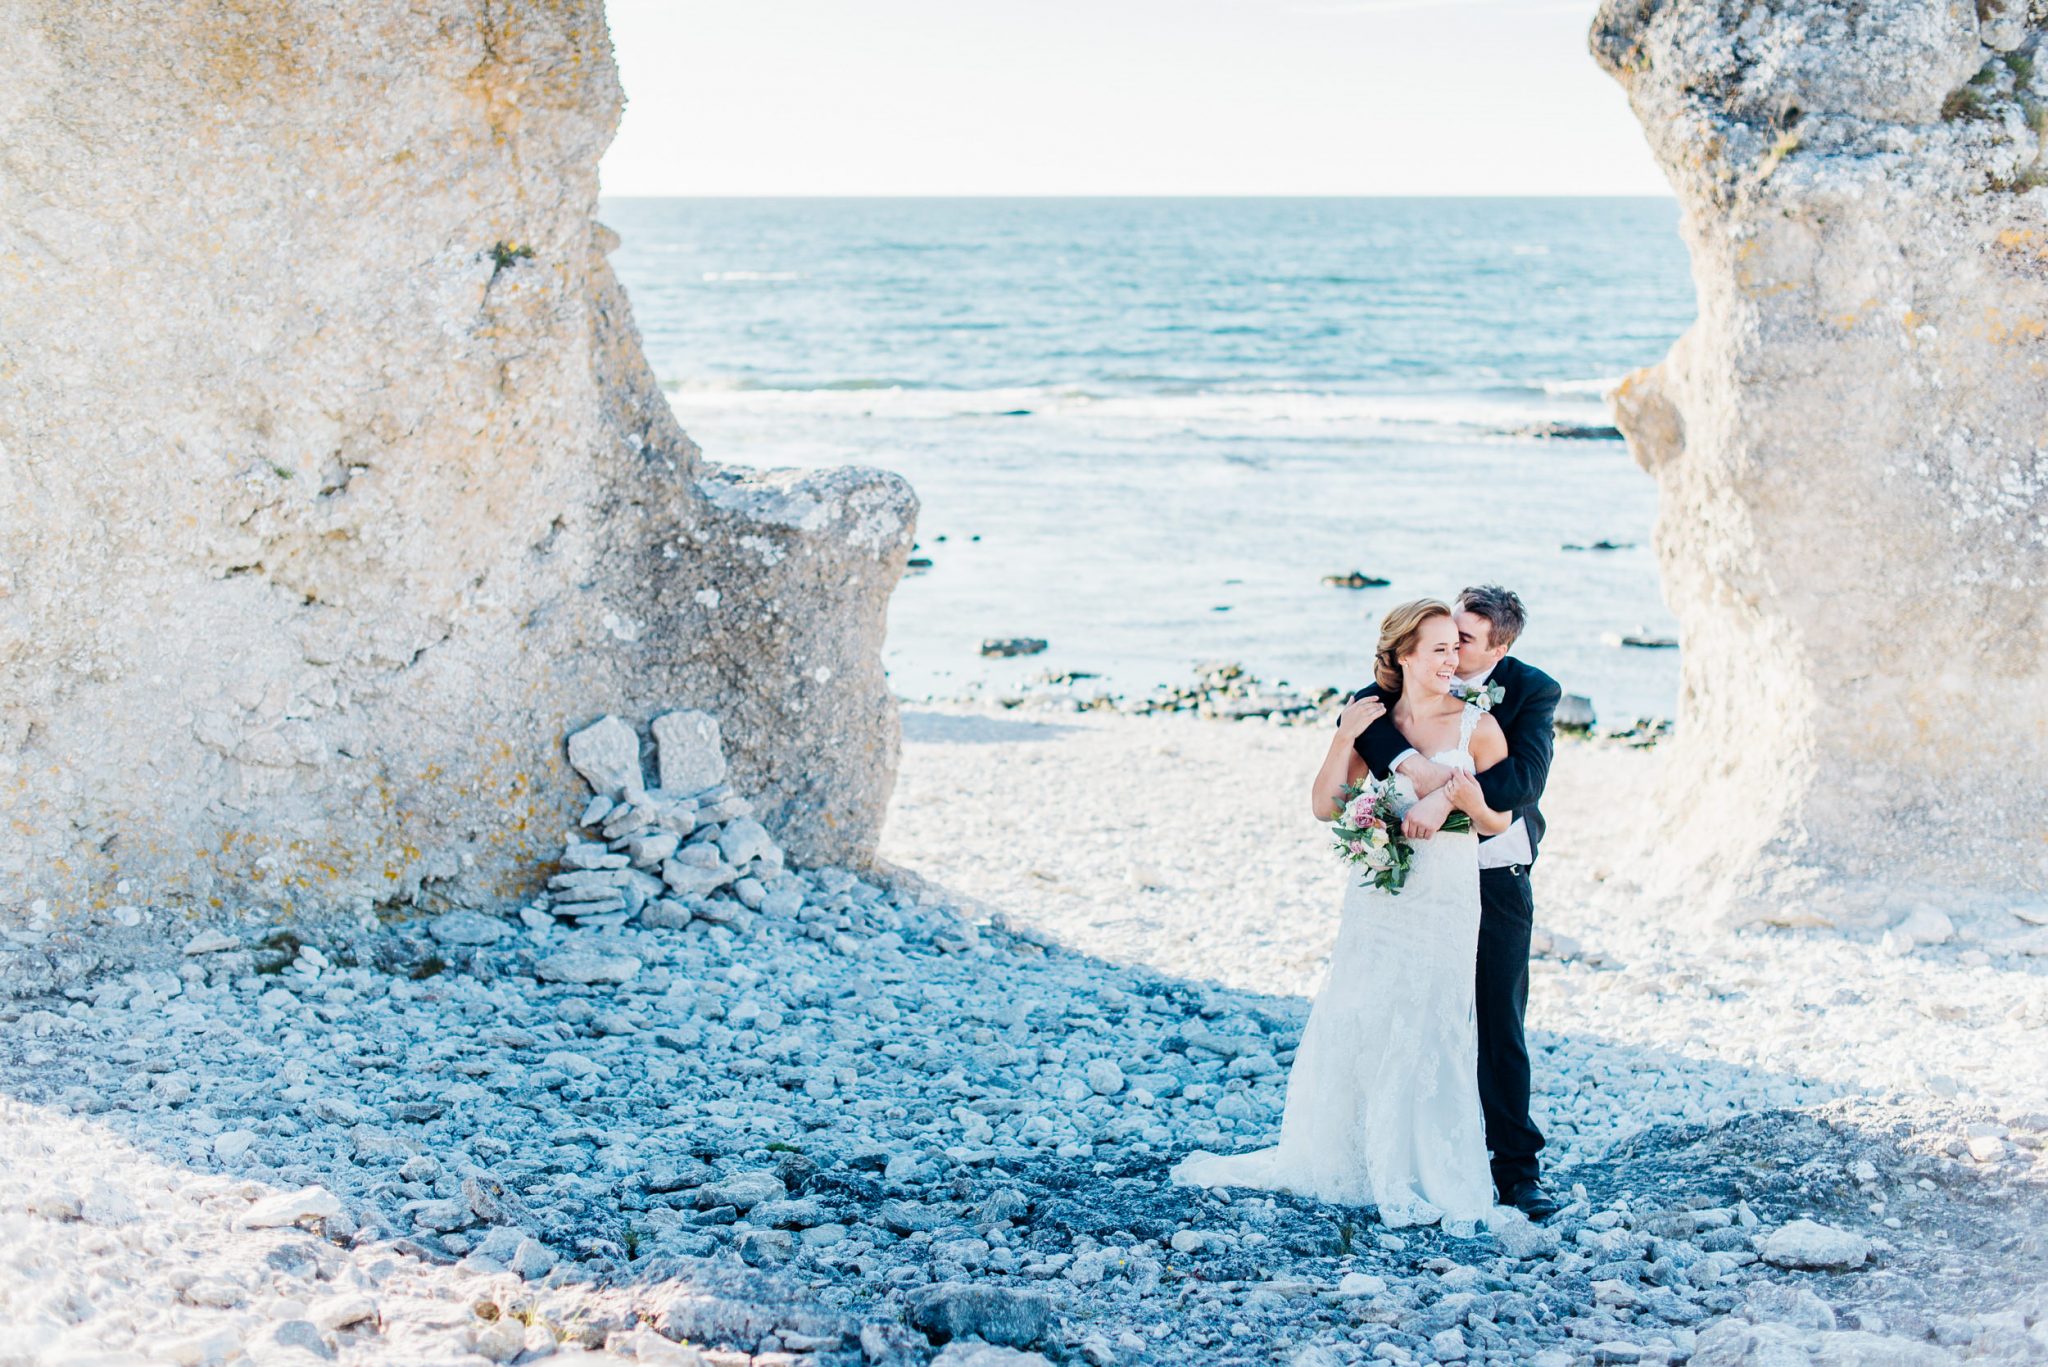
1383, 1098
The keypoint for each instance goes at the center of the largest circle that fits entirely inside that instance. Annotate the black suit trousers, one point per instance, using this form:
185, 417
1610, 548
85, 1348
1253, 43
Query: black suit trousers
1501, 998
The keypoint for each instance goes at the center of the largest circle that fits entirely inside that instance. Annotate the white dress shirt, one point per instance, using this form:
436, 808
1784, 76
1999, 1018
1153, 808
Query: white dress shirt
1511, 846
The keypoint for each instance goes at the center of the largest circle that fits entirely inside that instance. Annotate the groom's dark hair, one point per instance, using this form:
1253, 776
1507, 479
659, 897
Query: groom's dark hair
1500, 607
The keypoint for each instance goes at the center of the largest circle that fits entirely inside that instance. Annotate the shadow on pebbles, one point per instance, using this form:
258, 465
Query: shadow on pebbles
801, 1116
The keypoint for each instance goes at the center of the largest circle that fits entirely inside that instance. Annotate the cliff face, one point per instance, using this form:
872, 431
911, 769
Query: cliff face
334, 489
1851, 445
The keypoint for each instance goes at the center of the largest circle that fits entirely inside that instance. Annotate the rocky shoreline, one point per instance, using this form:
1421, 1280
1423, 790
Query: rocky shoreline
858, 1122
1227, 691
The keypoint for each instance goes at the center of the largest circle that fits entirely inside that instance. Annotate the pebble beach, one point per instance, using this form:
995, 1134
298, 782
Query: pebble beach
746, 1113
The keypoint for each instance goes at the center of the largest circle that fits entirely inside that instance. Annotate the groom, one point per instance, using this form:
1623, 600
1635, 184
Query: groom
1489, 619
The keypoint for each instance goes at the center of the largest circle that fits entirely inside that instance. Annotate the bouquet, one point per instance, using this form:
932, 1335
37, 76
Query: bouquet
1368, 832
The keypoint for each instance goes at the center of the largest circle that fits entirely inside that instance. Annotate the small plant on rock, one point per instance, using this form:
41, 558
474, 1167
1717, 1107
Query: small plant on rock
1962, 103
505, 255
2032, 178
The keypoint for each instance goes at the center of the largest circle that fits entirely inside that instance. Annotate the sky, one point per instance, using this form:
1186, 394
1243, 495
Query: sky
1118, 97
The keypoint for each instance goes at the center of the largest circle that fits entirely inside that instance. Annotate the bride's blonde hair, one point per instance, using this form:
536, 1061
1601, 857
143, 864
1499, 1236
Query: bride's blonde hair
1398, 632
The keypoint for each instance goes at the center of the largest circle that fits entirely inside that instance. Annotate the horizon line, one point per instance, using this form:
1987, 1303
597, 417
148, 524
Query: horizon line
1034, 194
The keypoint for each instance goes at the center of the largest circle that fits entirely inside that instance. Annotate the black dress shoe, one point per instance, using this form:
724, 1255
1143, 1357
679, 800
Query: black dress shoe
1529, 1197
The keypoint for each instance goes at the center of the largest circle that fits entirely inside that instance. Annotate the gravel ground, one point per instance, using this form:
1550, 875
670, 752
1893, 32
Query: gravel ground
843, 1121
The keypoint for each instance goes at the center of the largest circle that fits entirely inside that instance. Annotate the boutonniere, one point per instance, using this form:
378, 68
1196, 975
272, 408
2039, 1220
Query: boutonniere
1484, 697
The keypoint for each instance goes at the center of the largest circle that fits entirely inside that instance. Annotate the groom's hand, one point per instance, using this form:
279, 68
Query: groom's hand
1427, 776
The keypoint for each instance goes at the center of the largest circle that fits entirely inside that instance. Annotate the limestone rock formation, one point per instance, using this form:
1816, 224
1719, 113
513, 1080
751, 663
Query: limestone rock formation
1851, 445
334, 488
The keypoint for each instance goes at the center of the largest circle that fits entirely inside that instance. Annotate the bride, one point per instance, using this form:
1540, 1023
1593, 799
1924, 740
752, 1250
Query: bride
1383, 1098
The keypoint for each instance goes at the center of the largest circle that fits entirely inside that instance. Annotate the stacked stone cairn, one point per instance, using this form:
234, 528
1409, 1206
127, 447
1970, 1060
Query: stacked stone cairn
685, 850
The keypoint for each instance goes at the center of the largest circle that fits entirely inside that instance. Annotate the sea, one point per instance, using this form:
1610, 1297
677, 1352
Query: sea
1144, 431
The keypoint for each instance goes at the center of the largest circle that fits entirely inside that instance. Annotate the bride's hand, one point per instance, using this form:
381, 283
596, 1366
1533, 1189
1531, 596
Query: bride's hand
1466, 794
1356, 717
1426, 816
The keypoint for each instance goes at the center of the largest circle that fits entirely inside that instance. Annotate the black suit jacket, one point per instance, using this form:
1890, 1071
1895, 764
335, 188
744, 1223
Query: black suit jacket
1526, 713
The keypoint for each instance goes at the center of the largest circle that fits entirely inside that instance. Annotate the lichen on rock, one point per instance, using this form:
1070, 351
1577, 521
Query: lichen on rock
1849, 447
334, 488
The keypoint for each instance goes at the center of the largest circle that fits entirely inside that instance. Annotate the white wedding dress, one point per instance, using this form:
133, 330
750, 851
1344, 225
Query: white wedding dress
1383, 1098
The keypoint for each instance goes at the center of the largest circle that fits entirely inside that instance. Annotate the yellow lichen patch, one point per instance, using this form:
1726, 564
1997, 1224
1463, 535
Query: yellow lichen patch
2014, 332
251, 47
1629, 384
1785, 146
1751, 282
2024, 240
2022, 251
1912, 319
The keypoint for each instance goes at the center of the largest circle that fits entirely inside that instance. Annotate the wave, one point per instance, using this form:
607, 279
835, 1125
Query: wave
1526, 412
731, 277
1597, 386
733, 384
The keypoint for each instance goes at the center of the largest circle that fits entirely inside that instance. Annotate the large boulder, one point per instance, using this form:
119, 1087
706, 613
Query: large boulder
1010, 1316
1849, 447
335, 491
1809, 1244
